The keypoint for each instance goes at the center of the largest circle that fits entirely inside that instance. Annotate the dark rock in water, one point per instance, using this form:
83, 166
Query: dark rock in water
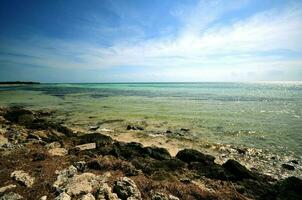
19, 115
289, 189
237, 171
288, 167
294, 161
192, 155
132, 127
158, 153
39, 156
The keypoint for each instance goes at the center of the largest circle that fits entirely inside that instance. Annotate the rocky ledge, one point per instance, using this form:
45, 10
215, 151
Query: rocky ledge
42, 159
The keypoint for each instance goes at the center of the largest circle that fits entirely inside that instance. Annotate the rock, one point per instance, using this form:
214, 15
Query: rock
39, 156
8, 187
63, 196
58, 152
93, 128
11, 196
63, 178
288, 167
105, 193
19, 115
171, 197
294, 161
159, 196
125, 189
132, 127
86, 146
23, 178
43, 198
3, 140
289, 188
97, 138
237, 171
53, 145
81, 165
88, 196
71, 183
158, 153
192, 155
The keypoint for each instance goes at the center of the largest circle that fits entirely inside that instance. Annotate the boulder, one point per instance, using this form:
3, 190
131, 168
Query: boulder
105, 193
237, 171
88, 196
8, 187
192, 155
71, 183
289, 188
58, 152
158, 153
97, 138
23, 178
11, 196
125, 188
63, 196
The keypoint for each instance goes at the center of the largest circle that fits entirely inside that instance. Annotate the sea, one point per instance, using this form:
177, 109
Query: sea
264, 115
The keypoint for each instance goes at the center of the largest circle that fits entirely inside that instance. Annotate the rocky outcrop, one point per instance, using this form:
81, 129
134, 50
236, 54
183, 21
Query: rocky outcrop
23, 178
126, 189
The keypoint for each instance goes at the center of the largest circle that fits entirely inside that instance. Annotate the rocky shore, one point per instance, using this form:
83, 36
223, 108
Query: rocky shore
44, 159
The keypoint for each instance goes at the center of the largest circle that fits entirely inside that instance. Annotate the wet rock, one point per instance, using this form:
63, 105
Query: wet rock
63, 196
11, 196
88, 196
237, 171
81, 166
58, 152
23, 178
8, 187
289, 188
288, 167
192, 155
133, 127
105, 193
125, 188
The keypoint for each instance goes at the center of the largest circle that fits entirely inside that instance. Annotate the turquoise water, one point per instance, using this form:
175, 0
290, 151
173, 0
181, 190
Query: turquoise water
262, 115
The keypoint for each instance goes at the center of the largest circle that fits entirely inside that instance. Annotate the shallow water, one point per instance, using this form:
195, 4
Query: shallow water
261, 115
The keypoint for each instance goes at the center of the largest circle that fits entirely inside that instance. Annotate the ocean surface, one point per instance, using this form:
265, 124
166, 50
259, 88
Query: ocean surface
260, 115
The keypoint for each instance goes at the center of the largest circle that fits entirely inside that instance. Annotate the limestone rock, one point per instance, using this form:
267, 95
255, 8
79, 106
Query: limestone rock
23, 178
11, 196
88, 196
8, 187
105, 193
125, 189
58, 152
43, 198
63, 196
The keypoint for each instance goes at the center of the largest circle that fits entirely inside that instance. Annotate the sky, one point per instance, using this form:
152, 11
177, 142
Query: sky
150, 40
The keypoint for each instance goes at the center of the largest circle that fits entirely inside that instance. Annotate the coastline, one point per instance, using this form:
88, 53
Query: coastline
45, 146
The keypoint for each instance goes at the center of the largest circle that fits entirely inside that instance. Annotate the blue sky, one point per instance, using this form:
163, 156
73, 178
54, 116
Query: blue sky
159, 40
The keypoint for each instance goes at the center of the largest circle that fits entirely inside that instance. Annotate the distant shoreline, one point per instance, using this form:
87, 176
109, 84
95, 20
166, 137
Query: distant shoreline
18, 82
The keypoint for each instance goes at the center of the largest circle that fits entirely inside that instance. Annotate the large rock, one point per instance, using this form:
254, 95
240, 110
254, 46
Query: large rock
63, 196
97, 138
68, 181
289, 189
192, 155
11, 196
105, 193
237, 171
126, 189
23, 178
158, 153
